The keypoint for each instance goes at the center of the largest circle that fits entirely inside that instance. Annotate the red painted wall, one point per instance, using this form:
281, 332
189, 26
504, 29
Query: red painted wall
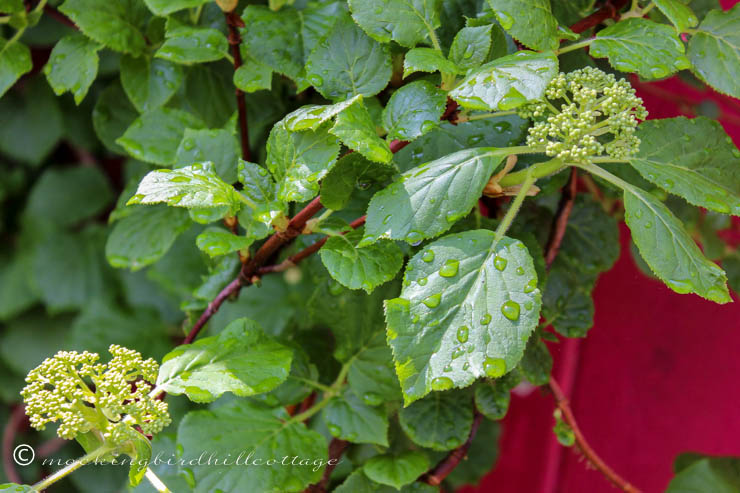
656, 376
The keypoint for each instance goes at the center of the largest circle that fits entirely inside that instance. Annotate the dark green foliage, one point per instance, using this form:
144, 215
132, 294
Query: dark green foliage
173, 165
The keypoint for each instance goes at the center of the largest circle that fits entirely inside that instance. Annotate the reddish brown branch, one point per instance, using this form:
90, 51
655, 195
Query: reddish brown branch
306, 252
583, 446
11, 428
59, 17
231, 289
336, 449
560, 222
610, 10
234, 22
443, 469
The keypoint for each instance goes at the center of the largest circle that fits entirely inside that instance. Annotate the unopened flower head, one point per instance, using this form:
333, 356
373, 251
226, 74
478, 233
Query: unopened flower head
585, 113
83, 395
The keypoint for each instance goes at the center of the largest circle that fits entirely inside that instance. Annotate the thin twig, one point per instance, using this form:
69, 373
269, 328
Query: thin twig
583, 446
610, 10
336, 449
59, 17
234, 22
306, 252
560, 222
11, 428
443, 469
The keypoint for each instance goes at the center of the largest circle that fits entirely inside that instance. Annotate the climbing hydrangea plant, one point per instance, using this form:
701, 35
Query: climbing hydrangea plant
431, 152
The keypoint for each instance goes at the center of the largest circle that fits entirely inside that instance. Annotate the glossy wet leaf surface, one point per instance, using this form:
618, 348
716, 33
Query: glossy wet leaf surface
467, 310
240, 359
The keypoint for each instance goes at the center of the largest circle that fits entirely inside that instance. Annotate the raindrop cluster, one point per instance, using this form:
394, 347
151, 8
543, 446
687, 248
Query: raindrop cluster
597, 115
83, 395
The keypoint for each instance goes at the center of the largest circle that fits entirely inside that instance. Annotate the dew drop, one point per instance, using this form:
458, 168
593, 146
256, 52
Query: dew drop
531, 286
428, 256
485, 319
372, 399
442, 383
449, 269
335, 430
414, 237
528, 305
520, 271
462, 334
510, 309
386, 219
500, 262
447, 368
423, 281
494, 367
433, 300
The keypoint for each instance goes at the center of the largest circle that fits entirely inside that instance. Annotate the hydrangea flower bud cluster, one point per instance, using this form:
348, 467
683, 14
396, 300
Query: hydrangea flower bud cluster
83, 395
593, 104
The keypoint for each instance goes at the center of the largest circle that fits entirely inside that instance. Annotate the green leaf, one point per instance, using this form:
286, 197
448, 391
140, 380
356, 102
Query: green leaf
32, 124
507, 82
150, 82
140, 457
188, 45
166, 7
407, 22
371, 374
714, 51
253, 76
358, 482
299, 160
702, 166
529, 21
397, 470
347, 62
591, 241
112, 115
240, 359
414, 110
471, 46
16, 289
312, 116
351, 172
155, 135
355, 128
111, 23
363, 268
69, 270
163, 446
536, 364
467, 308
15, 60
715, 474
440, 421
274, 38
11, 6
426, 201
492, 397
679, 14
217, 145
72, 66
566, 302
217, 241
490, 132
669, 251
349, 418
144, 236
638, 45
732, 266
196, 185
428, 60
249, 430
66, 196
16, 488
